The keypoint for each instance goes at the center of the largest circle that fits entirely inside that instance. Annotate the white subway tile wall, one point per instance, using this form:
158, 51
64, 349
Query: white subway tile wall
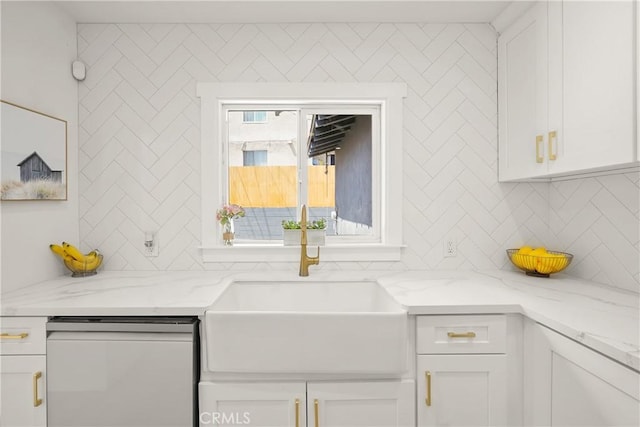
140, 137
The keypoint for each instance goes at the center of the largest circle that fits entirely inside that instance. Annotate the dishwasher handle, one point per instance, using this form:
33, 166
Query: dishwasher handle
119, 336
179, 325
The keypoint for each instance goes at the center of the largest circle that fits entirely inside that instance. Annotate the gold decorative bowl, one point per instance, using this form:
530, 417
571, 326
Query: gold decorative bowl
83, 269
540, 265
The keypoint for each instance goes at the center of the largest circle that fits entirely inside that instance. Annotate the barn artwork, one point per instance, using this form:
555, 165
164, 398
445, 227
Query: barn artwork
33, 156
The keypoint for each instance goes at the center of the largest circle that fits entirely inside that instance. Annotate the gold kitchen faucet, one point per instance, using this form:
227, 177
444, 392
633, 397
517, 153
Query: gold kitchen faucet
305, 259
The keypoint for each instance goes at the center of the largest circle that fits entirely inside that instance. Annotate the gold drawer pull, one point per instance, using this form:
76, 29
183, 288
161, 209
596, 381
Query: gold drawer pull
297, 412
20, 336
552, 137
427, 375
461, 335
36, 401
315, 413
539, 154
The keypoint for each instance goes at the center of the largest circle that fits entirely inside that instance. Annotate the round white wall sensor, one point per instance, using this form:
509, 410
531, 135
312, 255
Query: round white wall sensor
78, 70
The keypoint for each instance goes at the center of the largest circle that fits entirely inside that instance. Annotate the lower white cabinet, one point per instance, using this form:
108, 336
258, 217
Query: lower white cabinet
465, 368
462, 390
23, 377
257, 404
313, 404
568, 384
362, 404
22, 389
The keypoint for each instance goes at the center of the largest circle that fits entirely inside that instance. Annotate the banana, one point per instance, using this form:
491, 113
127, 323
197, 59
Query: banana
82, 265
93, 254
58, 250
75, 260
74, 252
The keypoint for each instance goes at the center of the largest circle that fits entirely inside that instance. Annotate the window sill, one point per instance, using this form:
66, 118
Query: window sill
277, 253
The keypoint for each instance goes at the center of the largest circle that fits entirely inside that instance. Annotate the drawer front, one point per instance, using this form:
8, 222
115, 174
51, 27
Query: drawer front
23, 335
461, 334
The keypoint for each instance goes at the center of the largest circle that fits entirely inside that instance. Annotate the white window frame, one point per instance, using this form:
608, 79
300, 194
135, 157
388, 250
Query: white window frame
389, 96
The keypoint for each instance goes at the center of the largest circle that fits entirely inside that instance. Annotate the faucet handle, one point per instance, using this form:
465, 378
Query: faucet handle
315, 259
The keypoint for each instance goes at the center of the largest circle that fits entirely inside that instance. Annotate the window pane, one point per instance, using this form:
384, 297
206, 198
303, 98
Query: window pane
254, 158
263, 171
340, 174
254, 116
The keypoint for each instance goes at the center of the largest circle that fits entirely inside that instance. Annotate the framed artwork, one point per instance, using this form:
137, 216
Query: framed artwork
33, 154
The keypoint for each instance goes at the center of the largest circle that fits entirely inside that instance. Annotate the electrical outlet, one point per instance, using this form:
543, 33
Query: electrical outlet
450, 248
150, 244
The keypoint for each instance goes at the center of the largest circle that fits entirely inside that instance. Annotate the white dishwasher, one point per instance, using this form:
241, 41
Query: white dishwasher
122, 371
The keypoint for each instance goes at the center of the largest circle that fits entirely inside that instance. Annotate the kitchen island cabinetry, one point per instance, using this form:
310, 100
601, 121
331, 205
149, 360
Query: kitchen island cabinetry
23, 372
567, 90
318, 403
568, 384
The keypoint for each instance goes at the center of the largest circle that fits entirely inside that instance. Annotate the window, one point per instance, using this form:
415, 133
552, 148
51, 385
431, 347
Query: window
335, 147
254, 116
254, 158
319, 155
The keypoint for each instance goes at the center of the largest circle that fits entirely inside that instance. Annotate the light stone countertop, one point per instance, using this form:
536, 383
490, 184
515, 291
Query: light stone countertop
601, 317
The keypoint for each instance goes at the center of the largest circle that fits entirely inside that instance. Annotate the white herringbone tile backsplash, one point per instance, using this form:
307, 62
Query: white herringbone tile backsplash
139, 136
598, 220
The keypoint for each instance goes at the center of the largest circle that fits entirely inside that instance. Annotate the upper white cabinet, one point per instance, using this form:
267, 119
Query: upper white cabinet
523, 96
567, 90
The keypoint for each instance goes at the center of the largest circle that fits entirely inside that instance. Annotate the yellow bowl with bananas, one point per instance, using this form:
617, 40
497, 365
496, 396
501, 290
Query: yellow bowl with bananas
80, 264
86, 267
539, 262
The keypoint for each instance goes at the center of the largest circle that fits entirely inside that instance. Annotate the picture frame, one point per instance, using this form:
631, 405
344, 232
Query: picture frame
33, 154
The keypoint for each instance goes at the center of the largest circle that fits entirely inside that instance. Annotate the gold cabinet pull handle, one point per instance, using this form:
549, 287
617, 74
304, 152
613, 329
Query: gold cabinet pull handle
315, 413
297, 412
539, 154
427, 376
20, 336
552, 138
461, 335
36, 401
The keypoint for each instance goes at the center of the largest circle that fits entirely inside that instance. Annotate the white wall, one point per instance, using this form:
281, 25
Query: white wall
139, 133
38, 45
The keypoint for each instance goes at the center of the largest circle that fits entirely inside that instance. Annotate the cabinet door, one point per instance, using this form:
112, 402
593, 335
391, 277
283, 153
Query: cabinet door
363, 404
593, 82
22, 389
575, 386
255, 404
522, 92
462, 390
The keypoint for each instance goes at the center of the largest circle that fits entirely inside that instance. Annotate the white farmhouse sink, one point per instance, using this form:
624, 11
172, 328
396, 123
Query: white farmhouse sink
306, 327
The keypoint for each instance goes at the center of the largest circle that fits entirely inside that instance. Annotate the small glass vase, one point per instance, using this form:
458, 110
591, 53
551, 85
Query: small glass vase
227, 233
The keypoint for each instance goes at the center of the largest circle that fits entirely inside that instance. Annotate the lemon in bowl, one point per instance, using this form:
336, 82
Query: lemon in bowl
539, 262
